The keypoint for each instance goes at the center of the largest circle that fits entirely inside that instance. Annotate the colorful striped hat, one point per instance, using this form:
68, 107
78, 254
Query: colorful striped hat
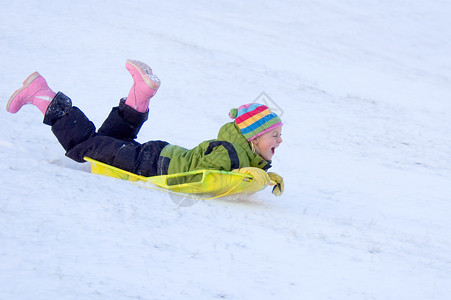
254, 119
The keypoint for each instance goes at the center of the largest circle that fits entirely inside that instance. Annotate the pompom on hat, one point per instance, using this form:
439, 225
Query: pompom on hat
254, 120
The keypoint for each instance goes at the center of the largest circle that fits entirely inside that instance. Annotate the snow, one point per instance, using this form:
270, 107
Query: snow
364, 87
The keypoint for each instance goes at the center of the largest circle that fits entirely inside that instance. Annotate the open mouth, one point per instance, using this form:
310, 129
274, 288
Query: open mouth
273, 150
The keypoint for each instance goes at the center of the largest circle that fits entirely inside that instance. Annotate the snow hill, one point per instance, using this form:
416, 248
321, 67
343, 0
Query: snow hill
364, 90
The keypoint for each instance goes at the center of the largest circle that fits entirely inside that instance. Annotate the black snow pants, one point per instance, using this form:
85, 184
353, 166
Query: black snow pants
114, 143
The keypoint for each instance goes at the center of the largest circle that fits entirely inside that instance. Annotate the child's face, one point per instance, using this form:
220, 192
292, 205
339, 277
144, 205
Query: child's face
268, 142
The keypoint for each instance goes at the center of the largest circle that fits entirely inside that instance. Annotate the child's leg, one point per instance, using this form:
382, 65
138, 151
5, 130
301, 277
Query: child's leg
77, 134
78, 137
69, 124
131, 156
34, 91
123, 122
145, 85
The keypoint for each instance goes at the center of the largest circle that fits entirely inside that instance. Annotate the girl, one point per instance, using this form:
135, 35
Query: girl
246, 145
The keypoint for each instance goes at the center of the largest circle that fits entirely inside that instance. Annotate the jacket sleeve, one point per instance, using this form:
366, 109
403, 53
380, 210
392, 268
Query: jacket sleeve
219, 155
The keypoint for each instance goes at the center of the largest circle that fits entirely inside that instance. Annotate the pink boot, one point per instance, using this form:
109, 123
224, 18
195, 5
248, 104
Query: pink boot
145, 85
34, 91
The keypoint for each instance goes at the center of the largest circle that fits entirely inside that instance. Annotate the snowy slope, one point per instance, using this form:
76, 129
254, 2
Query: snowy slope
365, 91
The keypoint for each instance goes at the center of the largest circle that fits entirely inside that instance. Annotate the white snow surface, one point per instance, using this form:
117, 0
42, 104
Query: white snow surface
365, 93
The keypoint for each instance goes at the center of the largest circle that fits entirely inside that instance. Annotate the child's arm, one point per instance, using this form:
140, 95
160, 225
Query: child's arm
259, 175
219, 155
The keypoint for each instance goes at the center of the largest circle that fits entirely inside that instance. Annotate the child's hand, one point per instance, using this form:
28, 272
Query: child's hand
259, 175
280, 186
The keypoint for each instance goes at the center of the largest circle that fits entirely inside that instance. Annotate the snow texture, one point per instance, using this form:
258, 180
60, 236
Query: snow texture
364, 90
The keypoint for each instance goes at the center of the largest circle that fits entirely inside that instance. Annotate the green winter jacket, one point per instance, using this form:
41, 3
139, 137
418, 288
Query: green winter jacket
229, 151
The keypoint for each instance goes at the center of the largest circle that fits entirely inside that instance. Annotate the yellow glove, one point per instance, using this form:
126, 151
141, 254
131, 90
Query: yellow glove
259, 175
280, 186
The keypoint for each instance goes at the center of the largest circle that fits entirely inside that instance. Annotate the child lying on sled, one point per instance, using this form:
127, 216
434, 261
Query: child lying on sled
245, 145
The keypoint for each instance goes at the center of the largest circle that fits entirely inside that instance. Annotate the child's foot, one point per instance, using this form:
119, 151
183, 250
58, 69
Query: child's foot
34, 91
145, 85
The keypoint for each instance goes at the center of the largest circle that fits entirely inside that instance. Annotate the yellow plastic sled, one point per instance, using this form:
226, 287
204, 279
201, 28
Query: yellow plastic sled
204, 184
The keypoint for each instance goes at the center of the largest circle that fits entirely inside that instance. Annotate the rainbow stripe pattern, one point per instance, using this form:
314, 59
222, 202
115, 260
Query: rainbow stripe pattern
254, 120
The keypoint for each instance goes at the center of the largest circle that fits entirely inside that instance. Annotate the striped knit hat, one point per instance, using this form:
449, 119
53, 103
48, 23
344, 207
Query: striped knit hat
254, 119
